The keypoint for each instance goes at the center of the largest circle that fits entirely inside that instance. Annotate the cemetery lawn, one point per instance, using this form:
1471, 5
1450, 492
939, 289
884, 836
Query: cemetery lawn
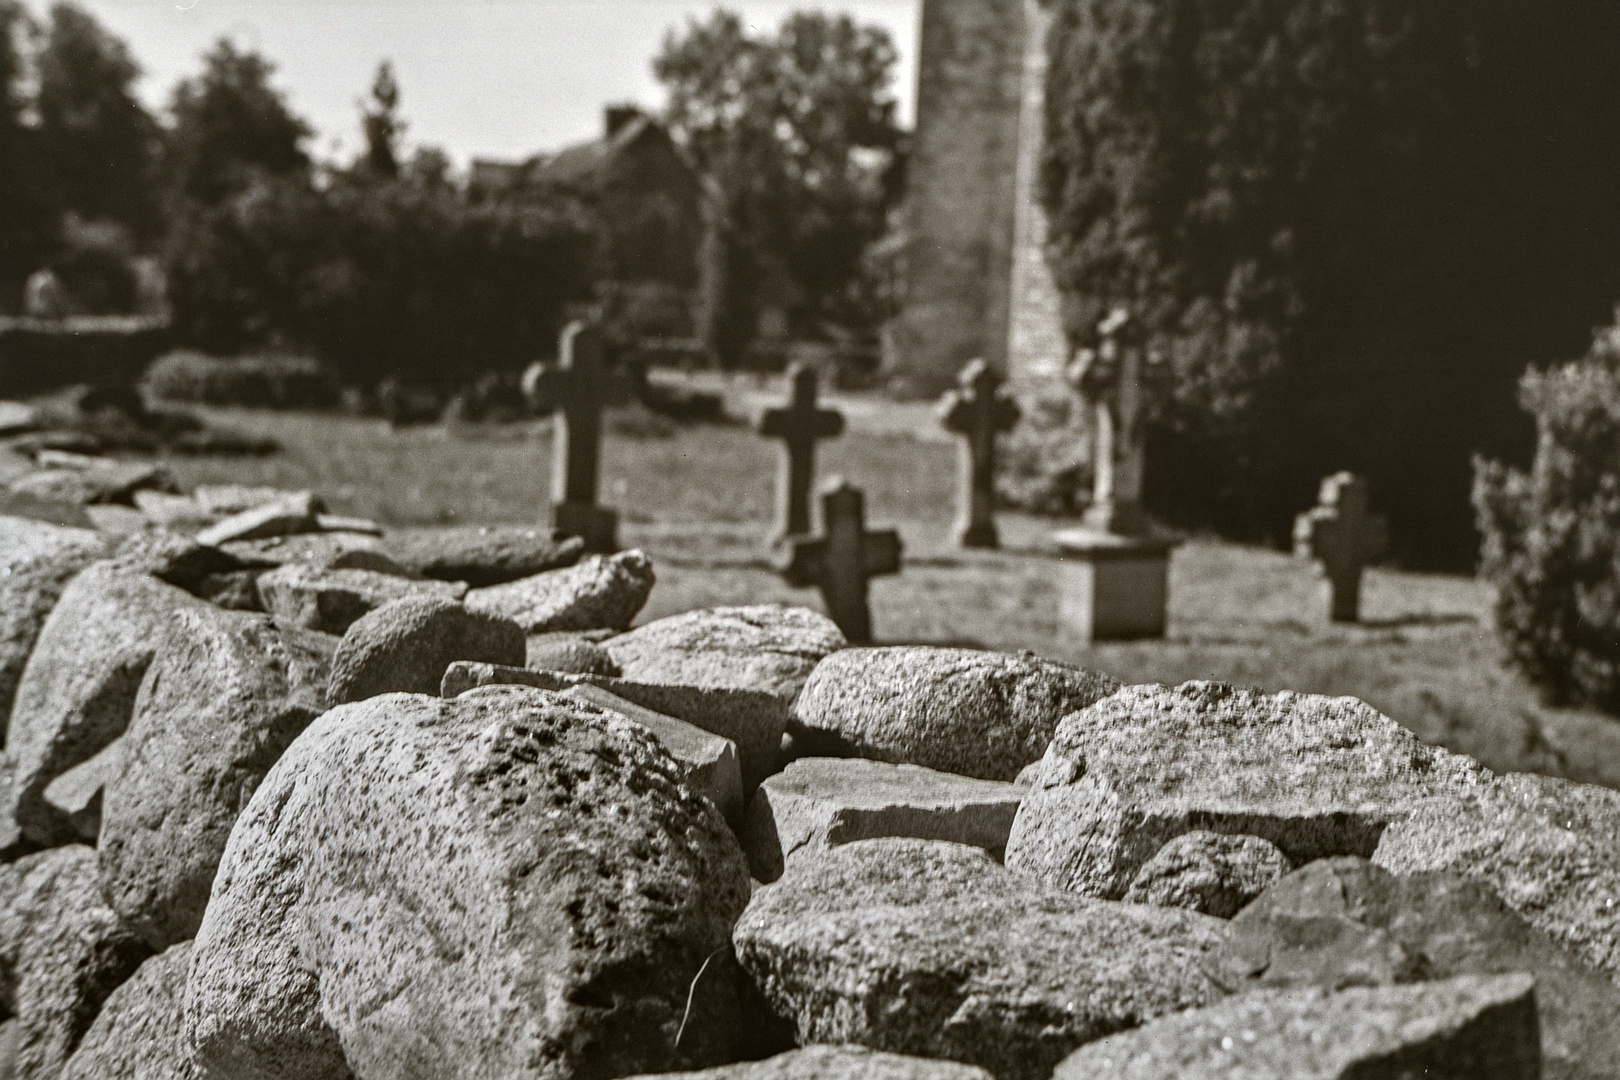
699, 500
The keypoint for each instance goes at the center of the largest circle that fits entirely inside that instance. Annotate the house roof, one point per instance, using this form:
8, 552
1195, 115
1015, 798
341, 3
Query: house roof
582, 165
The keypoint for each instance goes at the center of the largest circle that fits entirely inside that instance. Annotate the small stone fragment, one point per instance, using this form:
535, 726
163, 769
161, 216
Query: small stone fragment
405, 645
1208, 872
1471, 1026
598, 591
78, 792
818, 803
290, 514
980, 714
572, 654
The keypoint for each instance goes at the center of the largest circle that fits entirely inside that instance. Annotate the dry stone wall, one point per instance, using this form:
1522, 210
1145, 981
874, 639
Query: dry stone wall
464, 841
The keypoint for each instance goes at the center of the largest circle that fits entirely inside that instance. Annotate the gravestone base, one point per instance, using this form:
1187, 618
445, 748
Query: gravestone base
1115, 588
596, 525
977, 535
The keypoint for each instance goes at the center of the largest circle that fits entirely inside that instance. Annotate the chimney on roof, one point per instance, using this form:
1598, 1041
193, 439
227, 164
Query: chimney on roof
617, 116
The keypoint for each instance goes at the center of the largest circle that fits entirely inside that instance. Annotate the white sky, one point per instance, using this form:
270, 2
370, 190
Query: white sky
486, 78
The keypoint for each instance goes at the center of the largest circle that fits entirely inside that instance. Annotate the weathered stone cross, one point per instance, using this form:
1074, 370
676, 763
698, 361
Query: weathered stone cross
575, 387
799, 425
845, 559
1344, 536
977, 412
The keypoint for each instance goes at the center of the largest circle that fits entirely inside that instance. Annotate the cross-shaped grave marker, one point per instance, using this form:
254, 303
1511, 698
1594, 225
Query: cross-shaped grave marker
1344, 536
799, 425
845, 559
574, 387
978, 412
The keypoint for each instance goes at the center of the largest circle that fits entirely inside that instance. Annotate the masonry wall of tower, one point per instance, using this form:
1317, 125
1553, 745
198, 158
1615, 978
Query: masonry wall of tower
961, 187
977, 284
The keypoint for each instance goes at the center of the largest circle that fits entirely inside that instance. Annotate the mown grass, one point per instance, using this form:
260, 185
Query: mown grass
700, 501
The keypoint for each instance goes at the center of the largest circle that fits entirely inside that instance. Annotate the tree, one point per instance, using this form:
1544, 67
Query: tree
796, 139
231, 125
382, 126
98, 144
1347, 225
28, 226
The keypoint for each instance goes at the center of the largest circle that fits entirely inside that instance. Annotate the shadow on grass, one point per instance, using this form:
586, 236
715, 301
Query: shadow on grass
1406, 621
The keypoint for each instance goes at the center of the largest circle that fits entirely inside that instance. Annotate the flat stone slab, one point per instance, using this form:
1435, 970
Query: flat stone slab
331, 600
1316, 776
78, 792
484, 555
980, 714
835, 1063
752, 719
768, 647
932, 949
708, 761
1472, 1026
284, 516
322, 550
598, 591
227, 499
1548, 847
818, 803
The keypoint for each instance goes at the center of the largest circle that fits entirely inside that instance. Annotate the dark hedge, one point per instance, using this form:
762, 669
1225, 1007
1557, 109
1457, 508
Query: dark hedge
1348, 223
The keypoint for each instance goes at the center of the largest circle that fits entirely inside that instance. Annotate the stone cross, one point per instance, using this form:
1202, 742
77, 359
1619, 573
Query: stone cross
574, 388
1110, 378
799, 425
977, 412
1341, 533
845, 559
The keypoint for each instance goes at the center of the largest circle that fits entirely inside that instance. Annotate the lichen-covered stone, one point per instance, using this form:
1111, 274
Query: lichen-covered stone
484, 555
1546, 846
1471, 1026
406, 645
331, 600
225, 696
928, 948
1209, 872
62, 951
766, 647
817, 803
980, 714
1316, 776
138, 1034
835, 1063
503, 884
598, 591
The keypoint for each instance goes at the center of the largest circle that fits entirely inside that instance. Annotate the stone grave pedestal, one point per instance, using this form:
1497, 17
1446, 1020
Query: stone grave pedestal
1115, 588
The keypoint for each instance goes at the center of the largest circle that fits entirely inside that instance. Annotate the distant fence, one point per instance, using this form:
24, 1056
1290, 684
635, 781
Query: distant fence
37, 355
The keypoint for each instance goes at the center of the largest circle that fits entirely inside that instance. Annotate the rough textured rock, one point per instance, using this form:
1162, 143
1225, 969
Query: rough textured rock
290, 514
569, 653
1316, 776
137, 1035
708, 762
405, 646
835, 1063
1461, 1029
1208, 872
818, 803
36, 562
62, 951
228, 499
981, 714
322, 550
752, 719
928, 948
763, 647
331, 600
1546, 846
1344, 922
227, 694
235, 591
598, 591
77, 692
484, 555
78, 792
96, 481
174, 558
180, 512
507, 883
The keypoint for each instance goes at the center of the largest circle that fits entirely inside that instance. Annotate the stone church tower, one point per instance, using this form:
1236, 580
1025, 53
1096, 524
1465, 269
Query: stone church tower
976, 279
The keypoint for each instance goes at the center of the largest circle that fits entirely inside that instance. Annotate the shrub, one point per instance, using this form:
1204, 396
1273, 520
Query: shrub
1347, 224
1552, 535
260, 382
1043, 466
